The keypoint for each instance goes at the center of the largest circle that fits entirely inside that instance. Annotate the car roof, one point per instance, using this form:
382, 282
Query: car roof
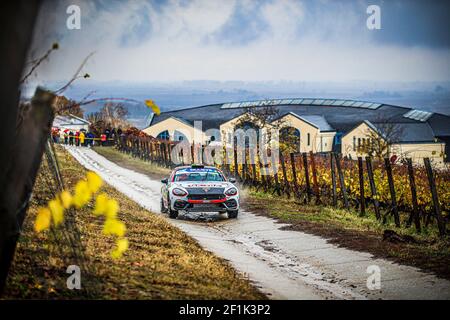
191, 167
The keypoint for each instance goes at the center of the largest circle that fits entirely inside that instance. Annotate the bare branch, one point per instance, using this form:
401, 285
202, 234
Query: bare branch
76, 75
38, 61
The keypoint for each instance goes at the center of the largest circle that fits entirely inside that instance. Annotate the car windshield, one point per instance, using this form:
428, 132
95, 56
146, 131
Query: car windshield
198, 175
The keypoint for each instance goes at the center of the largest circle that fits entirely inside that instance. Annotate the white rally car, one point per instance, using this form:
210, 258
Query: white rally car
199, 188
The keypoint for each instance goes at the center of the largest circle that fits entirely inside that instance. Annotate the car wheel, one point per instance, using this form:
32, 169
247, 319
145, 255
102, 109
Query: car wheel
163, 209
173, 214
232, 214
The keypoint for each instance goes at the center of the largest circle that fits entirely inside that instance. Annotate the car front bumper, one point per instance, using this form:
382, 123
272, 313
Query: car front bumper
217, 205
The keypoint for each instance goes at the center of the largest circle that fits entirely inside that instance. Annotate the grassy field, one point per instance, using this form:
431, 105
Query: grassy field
342, 227
161, 263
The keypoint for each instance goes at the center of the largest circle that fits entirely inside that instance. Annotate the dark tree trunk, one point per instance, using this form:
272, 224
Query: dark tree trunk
17, 20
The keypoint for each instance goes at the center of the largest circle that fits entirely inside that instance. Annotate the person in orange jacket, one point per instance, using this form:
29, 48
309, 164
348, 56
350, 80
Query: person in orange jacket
103, 139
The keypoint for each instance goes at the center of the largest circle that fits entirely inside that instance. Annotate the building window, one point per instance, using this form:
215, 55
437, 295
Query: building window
163, 135
308, 139
179, 136
354, 143
359, 143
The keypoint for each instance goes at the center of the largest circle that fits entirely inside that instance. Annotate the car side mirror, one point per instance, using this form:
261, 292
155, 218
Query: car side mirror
232, 180
165, 181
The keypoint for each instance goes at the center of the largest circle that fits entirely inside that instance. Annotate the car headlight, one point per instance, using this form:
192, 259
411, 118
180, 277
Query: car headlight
231, 192
179, 192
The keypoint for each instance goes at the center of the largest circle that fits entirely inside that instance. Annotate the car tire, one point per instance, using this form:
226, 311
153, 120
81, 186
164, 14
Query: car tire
163, 209
173, 214
232, 214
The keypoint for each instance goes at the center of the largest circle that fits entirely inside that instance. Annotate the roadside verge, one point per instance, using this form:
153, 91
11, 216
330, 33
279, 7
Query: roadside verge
162, 262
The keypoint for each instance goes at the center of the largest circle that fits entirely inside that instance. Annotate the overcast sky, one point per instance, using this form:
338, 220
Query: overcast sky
316, 40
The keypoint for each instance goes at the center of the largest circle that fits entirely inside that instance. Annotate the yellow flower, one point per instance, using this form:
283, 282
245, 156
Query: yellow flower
101, 204
122, 246
114, 226
94, 181
66, 199
112, 207
151, 104
42, 221
82, 194
57, 211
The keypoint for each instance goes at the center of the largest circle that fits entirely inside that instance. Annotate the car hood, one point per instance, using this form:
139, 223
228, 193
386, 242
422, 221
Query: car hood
202, 184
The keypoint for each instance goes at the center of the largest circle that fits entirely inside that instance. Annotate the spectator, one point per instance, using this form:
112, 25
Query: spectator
103, 139
77, 138
61, 136
71, 136
66, 137
90, 138
81, 137
55, 135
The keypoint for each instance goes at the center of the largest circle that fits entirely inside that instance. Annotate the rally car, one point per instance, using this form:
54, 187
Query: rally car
199, 188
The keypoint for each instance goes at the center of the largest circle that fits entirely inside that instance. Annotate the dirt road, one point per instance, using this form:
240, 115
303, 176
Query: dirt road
283, 264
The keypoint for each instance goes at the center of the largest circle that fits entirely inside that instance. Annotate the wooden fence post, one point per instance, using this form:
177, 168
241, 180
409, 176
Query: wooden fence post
275, 174
244, 167
262, 175
373, 188
333, 179
151, 151
236, 169
227, 161
160, 154
362, 198
286, 182
164, 153
308, 185
169, 151
341, 181
314, 176
267, 175
294, 173
254, 178
412, 184
394, 208
434, 195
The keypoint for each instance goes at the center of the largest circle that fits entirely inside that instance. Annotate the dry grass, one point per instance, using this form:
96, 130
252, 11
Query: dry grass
161, 263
